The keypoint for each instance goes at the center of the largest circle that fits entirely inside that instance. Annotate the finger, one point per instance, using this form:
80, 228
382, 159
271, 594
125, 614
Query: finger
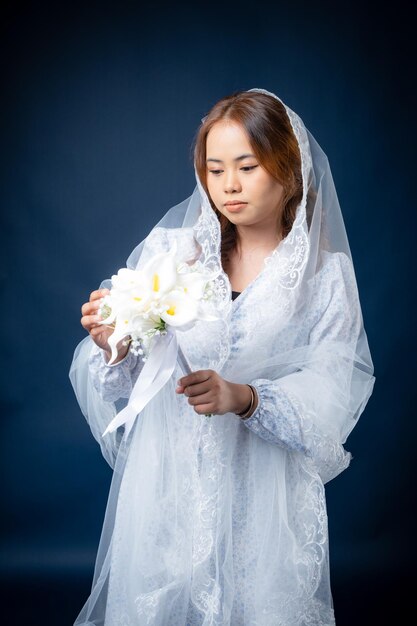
98, 293
90, 308
90, 321
203, 398
99, 330
197, 389
201, 409
195, 377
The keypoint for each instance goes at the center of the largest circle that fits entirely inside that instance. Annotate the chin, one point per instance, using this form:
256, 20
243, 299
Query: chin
234, 219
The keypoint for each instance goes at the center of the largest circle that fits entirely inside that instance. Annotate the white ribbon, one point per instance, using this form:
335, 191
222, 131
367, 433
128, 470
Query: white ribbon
157, 370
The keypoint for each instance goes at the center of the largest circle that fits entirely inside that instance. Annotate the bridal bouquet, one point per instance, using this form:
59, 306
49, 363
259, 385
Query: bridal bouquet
149, 305
143, 303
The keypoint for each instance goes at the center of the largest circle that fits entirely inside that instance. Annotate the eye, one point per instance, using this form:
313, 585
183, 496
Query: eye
247, 168
215, 172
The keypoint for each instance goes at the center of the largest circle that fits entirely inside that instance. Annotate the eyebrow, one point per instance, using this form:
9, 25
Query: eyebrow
239, 158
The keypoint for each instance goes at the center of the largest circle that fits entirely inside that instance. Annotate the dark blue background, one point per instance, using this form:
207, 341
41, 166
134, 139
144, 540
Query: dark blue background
100, 106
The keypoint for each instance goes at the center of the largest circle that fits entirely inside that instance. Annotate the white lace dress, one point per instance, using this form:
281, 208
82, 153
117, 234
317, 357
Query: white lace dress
245, 541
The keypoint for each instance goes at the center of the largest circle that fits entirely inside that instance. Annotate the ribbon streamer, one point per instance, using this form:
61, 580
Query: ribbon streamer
156, 372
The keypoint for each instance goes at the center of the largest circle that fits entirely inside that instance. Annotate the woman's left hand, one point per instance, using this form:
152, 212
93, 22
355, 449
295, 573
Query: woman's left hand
208, 392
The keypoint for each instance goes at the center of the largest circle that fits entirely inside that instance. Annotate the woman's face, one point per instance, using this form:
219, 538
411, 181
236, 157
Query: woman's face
234, 174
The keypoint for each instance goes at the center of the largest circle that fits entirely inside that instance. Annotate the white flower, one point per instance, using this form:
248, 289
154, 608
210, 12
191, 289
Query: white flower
162, 293
193, 284
126, 279
179, 308
160, 273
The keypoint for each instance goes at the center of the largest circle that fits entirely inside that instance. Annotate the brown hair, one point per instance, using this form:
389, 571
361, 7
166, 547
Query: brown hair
274, 144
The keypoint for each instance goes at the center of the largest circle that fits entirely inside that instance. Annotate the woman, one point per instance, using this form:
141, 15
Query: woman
222, 520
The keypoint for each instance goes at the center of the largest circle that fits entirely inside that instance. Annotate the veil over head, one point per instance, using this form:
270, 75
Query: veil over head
297, 334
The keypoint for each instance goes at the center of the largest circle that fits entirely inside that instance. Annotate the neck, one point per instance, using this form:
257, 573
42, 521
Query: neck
257, 237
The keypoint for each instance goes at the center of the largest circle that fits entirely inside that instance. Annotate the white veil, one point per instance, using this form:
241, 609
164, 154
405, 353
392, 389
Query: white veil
174, 462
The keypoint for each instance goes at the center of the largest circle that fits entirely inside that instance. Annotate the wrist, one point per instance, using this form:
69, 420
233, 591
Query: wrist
248, 401
121, 354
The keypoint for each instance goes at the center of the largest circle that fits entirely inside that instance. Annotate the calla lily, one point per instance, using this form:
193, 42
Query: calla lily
129, 292
179, 307
193, 284
160, 273
126, 279
131, 286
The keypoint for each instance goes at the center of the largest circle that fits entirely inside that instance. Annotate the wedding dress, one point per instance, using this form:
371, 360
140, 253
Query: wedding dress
222, 521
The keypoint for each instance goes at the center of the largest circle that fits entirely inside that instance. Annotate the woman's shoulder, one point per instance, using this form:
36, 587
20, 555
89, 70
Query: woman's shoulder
335, 285
336, 269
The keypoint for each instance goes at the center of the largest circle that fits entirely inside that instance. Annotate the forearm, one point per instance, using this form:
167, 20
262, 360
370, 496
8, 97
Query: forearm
116, 380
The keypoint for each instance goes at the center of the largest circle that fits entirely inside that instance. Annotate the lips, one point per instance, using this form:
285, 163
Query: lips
234, 207
234, 202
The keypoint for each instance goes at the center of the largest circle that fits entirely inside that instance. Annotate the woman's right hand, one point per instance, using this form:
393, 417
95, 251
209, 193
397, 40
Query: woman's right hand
99, 333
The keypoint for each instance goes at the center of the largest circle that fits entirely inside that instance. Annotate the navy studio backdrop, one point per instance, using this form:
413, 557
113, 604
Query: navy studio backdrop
100, 105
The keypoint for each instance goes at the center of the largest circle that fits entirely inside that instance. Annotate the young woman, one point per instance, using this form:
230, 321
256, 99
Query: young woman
222, 520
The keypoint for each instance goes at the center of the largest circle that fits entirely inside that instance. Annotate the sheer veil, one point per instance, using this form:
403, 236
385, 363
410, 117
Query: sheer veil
311, 351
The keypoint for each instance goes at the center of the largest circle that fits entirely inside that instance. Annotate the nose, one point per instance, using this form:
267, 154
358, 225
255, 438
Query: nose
231, 182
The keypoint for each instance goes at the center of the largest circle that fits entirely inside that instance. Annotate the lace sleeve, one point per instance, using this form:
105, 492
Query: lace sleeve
114, 381
275, 418
306, 411
282, 419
